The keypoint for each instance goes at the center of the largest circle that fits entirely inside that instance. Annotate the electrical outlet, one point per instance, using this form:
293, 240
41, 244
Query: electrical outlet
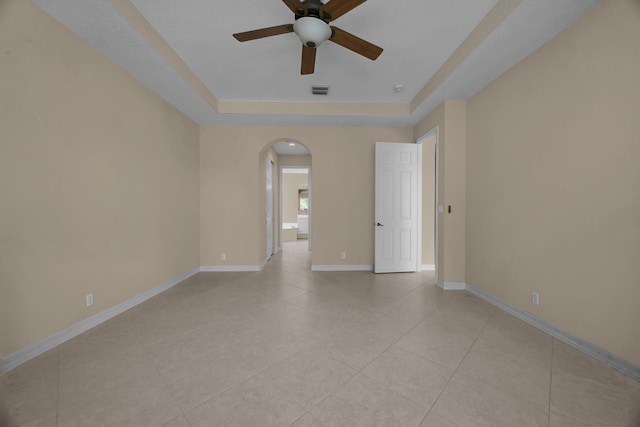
223, 257
343, 255
535, 298
89, 300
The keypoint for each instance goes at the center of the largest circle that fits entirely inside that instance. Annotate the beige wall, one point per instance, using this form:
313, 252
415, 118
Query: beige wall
553, 181
98, 181
450, 120
342, 180
104, 189
291, 183
294, 160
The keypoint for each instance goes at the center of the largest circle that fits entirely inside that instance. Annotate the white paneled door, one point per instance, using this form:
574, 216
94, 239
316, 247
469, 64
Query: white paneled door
396, 207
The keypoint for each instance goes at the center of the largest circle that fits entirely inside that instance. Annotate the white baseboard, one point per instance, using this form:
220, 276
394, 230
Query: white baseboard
34, 350
230, 268
428, 267
234, 268
613, 361
451, 286
342, 267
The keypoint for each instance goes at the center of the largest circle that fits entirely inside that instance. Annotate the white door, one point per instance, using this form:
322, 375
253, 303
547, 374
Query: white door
396, 207
269, 208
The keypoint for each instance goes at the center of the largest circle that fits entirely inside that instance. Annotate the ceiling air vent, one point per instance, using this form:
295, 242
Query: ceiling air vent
320, 90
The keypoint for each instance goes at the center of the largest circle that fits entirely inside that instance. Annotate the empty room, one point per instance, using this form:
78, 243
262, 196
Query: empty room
320, 213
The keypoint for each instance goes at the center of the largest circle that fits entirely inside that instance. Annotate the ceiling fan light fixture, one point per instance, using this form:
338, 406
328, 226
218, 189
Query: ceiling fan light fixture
311, 25
312, 31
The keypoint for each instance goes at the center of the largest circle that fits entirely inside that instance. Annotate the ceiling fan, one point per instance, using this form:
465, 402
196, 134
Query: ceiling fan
311, 24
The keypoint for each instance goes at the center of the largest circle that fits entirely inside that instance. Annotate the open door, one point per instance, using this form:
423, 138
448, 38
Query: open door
396, 207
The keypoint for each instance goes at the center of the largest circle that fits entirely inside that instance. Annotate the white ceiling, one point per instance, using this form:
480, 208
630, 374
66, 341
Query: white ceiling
259, 82
285, 148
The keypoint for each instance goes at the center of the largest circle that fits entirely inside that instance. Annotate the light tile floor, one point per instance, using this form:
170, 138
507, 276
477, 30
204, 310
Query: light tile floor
287, 347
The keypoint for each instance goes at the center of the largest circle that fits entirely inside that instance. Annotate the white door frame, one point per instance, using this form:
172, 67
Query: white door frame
308, 168
269, 205
420, 142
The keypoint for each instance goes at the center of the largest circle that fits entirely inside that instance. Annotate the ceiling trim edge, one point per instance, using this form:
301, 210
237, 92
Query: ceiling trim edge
140, 24
501, 11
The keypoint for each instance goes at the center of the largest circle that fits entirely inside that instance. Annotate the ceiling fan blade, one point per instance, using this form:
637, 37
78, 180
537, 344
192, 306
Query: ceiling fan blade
337, 8
355, 44
264, 32
295, 6
308, 60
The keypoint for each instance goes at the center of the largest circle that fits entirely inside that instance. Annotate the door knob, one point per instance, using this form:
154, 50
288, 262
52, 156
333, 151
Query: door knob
380, 225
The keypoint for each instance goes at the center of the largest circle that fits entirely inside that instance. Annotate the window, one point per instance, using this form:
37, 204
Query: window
303, 202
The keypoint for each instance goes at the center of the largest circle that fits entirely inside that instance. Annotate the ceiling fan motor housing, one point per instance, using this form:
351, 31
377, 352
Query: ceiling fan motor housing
312, 8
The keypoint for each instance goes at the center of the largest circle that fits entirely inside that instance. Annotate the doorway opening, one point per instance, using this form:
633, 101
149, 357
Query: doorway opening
295, 202
269, 206
428, 189
292, 199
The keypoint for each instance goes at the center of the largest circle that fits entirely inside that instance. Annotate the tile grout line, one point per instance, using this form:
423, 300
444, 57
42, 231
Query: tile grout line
308, 411
416, 325
146, 353
393, 343
307, 347
387, 346
299, 418
460, 363
173, 398
259, 372
365, 366
537, 405
250, 376
499, 388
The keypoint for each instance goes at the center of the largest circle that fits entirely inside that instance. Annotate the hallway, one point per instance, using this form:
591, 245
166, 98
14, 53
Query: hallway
288, 347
